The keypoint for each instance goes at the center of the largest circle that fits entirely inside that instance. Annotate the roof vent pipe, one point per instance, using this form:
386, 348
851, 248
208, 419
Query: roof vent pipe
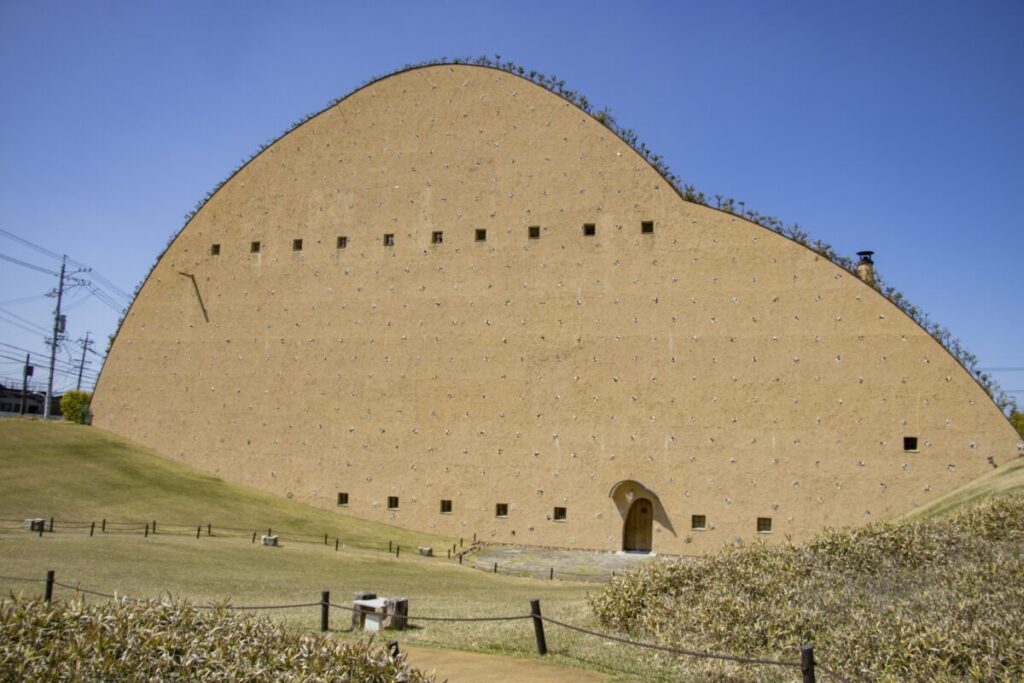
866, 267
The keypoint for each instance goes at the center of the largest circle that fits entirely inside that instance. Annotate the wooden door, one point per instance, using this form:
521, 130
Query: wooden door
638, 532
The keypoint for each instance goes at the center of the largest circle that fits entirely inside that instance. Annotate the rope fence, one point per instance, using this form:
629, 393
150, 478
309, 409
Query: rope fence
456, 552
808, 665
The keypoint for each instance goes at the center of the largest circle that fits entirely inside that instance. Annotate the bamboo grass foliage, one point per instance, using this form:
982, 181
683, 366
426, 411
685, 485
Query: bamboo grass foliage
935, 600
164, 640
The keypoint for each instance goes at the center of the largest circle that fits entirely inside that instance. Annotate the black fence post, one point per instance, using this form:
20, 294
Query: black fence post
147, 530
449, 553
551, 577
209, 530
336, 542
42, 528
325, 611
51, 525
48, 595
495, 567
460, 559
154, 526
92, 529
538, 627
104, 527
254, 537
398, 550
390, 547
199, 530
807, 663
325, 539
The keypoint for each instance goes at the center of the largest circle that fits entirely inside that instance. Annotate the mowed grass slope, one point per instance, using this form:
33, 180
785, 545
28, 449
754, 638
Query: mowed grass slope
1008, 479
84, 474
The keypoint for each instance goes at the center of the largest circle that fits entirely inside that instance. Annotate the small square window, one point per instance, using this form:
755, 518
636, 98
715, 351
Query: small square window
254, 248
296, 245
501, 510
698, 522
342, 242
534, 232
343, 499
481, 235
392, 502
560, 514
764, 525
214, 250
647, 227
910, 443
389, 239
437, 237
589, 229
446, 507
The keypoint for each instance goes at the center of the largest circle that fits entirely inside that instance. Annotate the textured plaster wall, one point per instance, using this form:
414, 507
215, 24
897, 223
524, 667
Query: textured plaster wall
730, 371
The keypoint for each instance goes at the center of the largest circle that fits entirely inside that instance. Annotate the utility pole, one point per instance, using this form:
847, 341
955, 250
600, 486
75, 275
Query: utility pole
58, 327
26, 373
81, 365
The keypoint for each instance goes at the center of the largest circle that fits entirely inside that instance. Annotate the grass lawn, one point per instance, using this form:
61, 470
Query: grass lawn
84, 474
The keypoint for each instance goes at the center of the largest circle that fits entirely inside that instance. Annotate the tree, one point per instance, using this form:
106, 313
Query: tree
1017, 420
75, 406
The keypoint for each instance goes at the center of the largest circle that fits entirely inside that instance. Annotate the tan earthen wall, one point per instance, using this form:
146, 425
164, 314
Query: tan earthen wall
732, 372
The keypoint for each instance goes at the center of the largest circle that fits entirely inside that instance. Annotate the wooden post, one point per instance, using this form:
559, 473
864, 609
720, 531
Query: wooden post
807, 663
398, 550
51, 525
538, 627
254, 537
449, 553
48, 595
460, 559
199, 530
104, 527
390, 549
154, 526
42, 527
92, 529
325, 611
209, 530
460, 542
474, 537
495, 567
336, 542
551, 577
325, 539
147, 530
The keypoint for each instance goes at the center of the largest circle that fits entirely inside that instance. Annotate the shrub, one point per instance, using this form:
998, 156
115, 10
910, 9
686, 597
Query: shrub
166, 640
75, 406
934, 600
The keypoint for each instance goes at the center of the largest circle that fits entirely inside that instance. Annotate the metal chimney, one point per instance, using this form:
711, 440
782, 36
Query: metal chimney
866, 267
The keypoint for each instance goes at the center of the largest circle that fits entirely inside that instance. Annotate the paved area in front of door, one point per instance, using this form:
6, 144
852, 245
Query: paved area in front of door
579, 565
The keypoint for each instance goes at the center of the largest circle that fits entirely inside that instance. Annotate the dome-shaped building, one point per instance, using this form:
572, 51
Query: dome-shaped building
458, 303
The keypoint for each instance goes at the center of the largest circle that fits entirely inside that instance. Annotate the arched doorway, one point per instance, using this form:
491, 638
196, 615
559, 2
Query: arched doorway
637, 533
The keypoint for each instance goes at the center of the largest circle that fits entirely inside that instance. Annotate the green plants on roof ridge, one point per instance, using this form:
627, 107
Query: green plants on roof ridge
686, 191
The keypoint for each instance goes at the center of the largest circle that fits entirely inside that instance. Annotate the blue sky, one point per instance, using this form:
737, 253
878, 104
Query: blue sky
892, 126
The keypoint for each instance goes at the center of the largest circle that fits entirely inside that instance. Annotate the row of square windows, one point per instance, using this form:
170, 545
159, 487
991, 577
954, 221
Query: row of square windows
560, 514
436, 237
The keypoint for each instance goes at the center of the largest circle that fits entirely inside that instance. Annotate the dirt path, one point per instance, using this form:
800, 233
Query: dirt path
471, 667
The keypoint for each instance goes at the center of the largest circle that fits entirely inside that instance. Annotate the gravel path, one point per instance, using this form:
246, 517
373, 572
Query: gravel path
580, 565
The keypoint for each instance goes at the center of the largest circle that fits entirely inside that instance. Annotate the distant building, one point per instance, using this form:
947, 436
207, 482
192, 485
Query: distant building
457, 303
10, 402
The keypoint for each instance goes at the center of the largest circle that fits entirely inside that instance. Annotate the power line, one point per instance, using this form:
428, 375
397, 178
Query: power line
30, 245
26, 264
24, 320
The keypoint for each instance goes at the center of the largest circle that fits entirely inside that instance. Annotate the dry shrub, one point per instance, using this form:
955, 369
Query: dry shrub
169, 641
934, 600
